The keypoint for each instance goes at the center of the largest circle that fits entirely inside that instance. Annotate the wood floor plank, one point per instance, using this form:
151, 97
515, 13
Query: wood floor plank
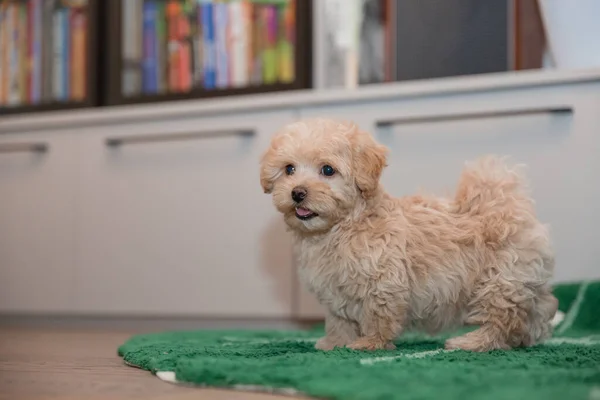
67, 365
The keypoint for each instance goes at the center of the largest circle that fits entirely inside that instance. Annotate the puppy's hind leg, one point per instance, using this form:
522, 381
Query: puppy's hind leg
540, 322
339, 332
503, 308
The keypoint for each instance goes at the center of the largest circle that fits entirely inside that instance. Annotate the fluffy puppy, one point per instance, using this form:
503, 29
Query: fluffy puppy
382, 265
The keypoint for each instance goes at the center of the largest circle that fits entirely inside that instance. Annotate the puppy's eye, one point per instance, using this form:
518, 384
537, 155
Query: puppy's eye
290, 169
327, 170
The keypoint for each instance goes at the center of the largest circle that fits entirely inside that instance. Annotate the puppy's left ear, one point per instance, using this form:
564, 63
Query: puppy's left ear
369, 160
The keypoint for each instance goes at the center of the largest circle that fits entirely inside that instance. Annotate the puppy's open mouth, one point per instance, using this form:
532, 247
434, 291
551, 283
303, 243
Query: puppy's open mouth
304, 213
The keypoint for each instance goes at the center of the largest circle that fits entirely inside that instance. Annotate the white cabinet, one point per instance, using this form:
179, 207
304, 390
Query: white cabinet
553, 130
157, 210
37, 189
173, 220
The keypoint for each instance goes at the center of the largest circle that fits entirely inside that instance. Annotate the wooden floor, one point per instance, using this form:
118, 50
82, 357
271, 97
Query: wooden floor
65, 365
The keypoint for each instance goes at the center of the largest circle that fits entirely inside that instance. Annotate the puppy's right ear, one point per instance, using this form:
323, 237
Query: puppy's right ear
269, 170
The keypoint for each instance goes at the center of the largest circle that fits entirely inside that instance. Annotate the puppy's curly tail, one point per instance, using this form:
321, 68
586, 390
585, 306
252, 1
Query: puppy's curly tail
498, 194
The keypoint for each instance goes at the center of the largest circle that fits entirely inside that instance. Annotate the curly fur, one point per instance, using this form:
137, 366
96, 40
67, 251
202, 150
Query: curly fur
382, 265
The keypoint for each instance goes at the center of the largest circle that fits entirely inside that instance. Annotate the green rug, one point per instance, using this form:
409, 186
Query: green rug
566, 366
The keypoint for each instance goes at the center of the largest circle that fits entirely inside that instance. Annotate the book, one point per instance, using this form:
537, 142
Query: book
78, 58
208, 49
174, 61
286, 42
238, 43
220, 23
185, 47
269, 54
28, 52
36, 7
248, 17
61, 54
161, 56
150, 74
3, 55
23, 49
198, 47
47, 50
132, 39
14, 62
257, 45
66, 53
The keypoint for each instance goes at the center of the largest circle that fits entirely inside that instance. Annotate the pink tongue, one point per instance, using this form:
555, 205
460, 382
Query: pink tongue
303, 212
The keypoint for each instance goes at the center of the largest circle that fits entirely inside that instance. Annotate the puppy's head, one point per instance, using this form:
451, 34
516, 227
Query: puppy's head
319, 171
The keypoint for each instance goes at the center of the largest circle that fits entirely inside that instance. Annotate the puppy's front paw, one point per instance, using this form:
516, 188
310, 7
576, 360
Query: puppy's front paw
326, 344
371, 344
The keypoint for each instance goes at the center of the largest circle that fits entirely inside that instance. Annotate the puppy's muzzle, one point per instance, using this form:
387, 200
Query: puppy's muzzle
299, 194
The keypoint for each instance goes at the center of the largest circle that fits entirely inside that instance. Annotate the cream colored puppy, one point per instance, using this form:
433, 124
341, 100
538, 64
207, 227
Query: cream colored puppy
381, 265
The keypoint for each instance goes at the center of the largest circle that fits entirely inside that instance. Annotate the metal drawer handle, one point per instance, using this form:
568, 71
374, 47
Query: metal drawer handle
171, 137
473, 115
24, 148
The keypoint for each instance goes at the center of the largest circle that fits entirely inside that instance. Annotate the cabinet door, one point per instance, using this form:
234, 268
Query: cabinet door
174, 221
553, 130
37, 173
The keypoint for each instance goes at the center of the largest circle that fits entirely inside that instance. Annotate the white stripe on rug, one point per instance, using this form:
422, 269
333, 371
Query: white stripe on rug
421, 354
231, 341
585, 341
268, 389
558, 318
169, 376
574, 310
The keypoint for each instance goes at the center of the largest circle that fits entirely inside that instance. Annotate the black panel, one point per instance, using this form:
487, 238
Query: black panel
439, 38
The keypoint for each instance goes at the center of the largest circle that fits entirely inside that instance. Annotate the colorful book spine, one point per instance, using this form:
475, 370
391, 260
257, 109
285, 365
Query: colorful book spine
269, 16
258, 44
14, 81
23, 44
48, 50
3, 56
29, 26
209, 51
59, 55
286, 42
198, 42
221, 17
78, 55
66, 61
150, 75
161, 54
185, 49
173, 11
36, 56
248, 10
238, 44
131, 38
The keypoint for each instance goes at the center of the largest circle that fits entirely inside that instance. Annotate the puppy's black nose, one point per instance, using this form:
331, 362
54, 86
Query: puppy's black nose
298, 194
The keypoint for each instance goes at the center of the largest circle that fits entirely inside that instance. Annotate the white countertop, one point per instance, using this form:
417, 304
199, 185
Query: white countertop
270, 101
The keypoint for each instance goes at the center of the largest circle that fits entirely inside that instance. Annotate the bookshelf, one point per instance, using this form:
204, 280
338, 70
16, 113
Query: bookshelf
48, 55
164, 50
